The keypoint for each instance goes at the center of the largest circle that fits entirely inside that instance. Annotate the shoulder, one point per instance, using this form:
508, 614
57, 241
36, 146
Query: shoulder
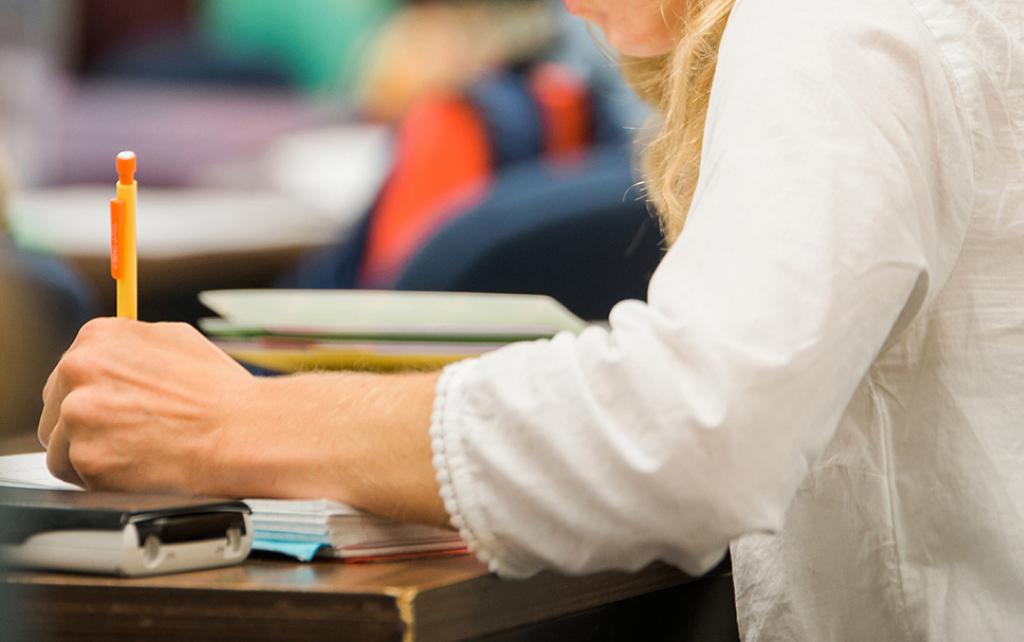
818, 31
834, 16
872, 50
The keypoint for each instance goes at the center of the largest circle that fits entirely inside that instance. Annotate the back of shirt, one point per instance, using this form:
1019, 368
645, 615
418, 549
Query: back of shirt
922, 487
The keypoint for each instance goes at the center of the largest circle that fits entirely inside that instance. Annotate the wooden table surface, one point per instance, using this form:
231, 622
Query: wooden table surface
441, 599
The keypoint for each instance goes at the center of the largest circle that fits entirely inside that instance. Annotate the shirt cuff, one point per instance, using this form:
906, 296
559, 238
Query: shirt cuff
458, 476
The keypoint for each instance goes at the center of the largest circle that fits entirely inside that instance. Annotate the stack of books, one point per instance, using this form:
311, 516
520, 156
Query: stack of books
296, 330
304, 529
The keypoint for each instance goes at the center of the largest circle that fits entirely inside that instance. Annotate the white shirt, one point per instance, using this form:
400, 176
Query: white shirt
830, 370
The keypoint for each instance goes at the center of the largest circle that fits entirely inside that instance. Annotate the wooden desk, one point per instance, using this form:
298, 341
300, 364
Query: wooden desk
440, 599
443, 599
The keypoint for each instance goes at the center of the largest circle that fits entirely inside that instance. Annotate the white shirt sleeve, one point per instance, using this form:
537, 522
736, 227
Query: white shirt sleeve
812, 239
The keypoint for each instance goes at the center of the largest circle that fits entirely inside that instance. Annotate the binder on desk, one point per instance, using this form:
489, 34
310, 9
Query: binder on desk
120, 534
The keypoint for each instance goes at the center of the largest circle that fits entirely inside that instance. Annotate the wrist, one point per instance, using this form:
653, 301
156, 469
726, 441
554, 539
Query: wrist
390, 467
361, 439
259, 446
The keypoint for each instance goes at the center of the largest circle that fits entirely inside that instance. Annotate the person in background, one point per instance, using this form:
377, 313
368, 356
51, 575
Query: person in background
826, 377
512, 167
5, 189
444, 47
317, 44
42, 305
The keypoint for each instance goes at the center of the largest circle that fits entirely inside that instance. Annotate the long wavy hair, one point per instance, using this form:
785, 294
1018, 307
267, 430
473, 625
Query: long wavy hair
678, 86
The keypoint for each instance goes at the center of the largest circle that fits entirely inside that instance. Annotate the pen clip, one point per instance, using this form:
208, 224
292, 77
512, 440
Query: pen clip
117, 217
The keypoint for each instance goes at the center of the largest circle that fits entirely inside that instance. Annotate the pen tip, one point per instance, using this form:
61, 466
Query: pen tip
126, 167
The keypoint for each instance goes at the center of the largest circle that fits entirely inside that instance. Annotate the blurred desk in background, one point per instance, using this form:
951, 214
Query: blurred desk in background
234, 184
178, 129
189, 239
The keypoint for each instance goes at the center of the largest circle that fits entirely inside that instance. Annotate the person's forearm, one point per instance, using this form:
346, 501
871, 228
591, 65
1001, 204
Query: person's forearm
358, 438
155, 407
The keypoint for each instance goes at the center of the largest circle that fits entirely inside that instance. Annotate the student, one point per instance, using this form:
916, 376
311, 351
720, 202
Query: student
52, 303
828, 374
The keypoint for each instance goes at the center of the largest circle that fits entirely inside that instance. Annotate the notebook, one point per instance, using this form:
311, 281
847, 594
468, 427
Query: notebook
293, 330
302, 529
380, 314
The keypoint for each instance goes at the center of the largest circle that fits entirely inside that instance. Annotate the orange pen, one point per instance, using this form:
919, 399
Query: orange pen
123, 249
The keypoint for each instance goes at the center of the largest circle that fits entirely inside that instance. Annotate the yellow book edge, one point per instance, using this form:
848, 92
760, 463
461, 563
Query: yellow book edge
291, 361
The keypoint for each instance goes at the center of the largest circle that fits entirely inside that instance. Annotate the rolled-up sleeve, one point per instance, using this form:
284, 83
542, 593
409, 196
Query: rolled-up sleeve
813, 238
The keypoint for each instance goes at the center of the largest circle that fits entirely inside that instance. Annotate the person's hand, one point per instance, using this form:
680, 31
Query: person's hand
141, 406
156, 407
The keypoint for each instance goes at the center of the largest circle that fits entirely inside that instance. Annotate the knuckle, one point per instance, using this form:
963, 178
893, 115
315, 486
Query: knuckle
78, 408
77, 365
181, 329
60, 466
94, 327
87, 461
48, 387
55, 466
97, 330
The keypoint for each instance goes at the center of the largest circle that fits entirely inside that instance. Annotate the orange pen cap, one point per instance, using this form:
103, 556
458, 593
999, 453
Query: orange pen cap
126, 162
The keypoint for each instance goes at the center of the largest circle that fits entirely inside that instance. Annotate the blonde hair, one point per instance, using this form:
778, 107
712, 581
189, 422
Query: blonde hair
678, 86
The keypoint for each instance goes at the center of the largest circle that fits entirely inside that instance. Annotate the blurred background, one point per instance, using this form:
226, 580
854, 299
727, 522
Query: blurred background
472, 145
